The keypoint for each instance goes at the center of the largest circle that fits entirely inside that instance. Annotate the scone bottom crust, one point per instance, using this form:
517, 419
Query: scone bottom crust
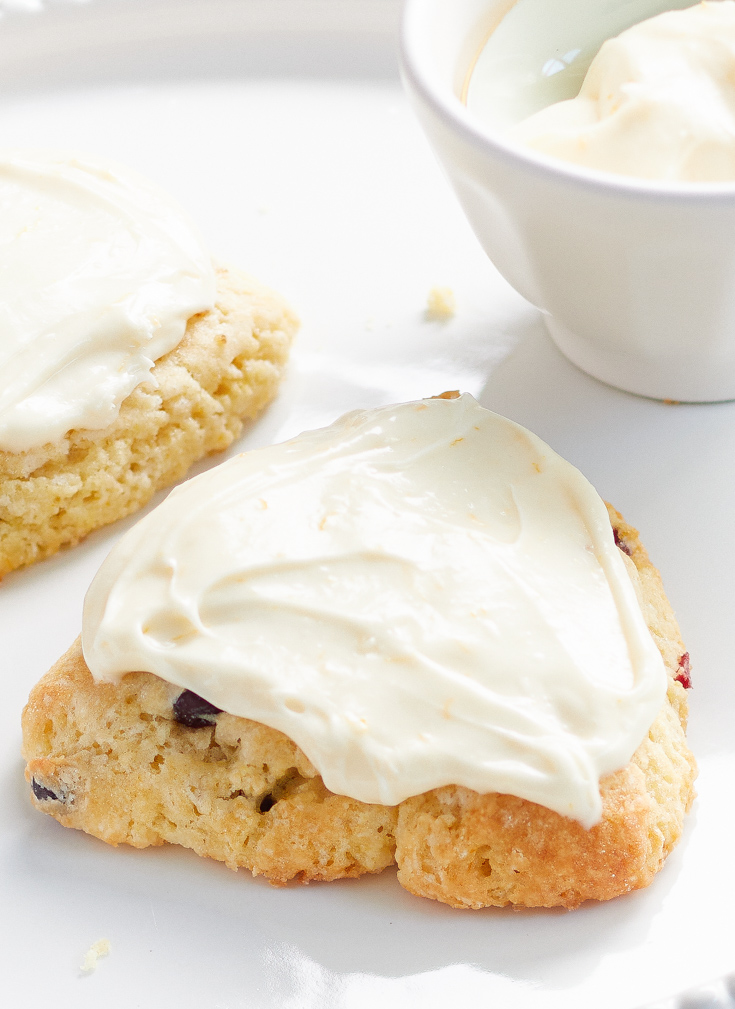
143, 763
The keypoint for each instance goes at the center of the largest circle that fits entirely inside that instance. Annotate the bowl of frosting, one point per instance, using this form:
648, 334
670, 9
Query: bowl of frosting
591, 144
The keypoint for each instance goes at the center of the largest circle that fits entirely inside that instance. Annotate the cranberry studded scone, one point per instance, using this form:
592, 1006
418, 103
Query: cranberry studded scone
125, 354
417, 636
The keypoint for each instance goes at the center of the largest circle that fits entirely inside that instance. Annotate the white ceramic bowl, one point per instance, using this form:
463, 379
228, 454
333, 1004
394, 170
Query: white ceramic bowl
636, 279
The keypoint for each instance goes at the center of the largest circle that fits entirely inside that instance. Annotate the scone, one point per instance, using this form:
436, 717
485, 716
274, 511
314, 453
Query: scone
143, 759
125, 355
225, 370
471, 850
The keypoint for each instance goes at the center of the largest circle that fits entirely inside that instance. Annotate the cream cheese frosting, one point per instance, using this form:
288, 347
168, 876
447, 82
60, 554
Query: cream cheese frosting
658, 101
99, 274
418, 595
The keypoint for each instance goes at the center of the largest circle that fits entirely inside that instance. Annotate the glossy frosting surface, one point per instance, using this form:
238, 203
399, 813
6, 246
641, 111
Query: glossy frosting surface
658, 101
418, 595
99, 274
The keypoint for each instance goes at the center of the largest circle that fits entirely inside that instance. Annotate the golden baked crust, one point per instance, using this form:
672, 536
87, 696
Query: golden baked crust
225, 370
112, 760
127, 772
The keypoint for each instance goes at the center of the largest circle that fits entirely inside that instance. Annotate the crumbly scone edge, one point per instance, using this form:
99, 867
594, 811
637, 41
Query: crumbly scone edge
225, 370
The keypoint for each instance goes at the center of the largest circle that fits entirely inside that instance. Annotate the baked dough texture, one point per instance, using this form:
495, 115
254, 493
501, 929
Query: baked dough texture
224, 371
112, 760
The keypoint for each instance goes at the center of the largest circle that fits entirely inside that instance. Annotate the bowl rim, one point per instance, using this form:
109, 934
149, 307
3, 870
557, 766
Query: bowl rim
418, 75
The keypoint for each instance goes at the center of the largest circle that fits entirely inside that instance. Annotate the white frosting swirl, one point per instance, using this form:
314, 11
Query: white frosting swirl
418, 595
658, 101
99, 274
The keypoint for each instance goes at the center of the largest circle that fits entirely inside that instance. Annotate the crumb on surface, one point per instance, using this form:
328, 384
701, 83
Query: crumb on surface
100, 948
441, 303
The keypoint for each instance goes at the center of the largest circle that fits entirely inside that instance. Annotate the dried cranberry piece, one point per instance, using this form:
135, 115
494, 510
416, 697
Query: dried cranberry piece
684, 676
193, 711
43, 794
621, 543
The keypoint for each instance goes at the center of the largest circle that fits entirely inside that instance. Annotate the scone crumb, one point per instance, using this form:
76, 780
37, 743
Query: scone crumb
100, 948
441, 303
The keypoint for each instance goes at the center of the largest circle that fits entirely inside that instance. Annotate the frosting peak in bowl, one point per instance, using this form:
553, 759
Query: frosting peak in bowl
418, 595
658, 101
99, 274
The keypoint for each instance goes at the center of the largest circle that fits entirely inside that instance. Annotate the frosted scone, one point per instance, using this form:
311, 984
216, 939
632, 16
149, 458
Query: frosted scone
125, 355
417, 636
